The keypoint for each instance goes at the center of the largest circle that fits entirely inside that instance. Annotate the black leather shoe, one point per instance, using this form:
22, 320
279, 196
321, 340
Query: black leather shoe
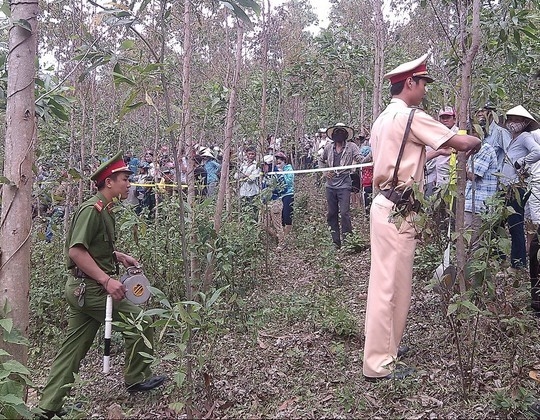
147, 385
41, 414
402, 351
397, 375
534, 408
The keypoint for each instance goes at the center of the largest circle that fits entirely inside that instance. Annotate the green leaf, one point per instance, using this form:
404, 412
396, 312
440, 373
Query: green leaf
517, 39
15, 367
531, 33
215, 296
451, 309
250, 4
127, 44
5, 9
469, 305
238, 12
74, 173
6, 324
4, 353
11, 399
184, 315
119, 78
24, 24
4, 180
59, 113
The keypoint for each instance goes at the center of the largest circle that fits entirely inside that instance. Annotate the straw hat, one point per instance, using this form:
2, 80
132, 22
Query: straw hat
520, 111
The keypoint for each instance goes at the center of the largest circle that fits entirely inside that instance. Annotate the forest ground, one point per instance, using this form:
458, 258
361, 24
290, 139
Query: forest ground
292, 346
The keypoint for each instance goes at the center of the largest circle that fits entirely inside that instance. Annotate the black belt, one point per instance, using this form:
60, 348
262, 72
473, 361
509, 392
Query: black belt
393, 195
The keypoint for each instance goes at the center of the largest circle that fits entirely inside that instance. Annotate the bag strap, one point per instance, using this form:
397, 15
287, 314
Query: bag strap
402, 148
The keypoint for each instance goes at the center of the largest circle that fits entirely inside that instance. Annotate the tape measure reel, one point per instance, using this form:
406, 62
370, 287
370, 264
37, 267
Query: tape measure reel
137, 285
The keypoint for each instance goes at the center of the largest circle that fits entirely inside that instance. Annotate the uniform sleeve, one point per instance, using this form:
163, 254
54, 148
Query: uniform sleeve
425, 130
85, 227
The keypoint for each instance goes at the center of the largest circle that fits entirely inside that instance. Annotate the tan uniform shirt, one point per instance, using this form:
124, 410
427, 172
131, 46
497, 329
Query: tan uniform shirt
386, 138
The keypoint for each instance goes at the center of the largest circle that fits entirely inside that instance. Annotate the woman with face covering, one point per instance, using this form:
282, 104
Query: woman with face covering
522, 151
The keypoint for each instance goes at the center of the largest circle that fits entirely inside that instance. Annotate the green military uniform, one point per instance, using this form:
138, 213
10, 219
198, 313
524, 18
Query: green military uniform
93, 228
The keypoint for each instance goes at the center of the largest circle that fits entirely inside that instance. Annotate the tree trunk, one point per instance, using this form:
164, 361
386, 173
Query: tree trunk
229, 124
21, 137
378, 68
264, 71
468, 58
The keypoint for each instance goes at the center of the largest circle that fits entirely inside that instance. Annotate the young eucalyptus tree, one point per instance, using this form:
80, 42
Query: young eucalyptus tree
17, 178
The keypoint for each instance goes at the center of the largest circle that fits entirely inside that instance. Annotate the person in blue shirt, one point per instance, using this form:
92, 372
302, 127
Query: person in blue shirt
288, 195
213, 169
273, 186
131, 162
495, 135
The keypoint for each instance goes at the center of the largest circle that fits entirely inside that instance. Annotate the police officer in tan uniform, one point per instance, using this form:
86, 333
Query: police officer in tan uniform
393, 245
92, 259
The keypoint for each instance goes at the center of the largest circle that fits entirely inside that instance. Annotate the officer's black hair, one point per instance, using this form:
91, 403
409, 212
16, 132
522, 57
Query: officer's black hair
101, 185
397, 88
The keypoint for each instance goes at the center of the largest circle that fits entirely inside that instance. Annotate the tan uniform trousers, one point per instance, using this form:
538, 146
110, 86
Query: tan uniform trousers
389, 291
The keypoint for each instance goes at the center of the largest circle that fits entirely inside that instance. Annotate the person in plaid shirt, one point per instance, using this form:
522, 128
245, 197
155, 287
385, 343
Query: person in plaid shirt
481, 168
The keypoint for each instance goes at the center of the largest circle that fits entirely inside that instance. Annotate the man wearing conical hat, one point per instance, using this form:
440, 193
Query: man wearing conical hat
92, 259
392, 243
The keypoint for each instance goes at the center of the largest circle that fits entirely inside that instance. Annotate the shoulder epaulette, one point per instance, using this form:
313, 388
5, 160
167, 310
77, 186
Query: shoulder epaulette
98, 205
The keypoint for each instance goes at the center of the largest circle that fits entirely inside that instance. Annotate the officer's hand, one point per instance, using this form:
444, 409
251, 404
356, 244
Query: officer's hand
116, 289
445, 151
330, 174
126, 260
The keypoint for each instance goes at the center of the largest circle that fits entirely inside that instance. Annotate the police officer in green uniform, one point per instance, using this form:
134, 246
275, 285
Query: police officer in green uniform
92, 259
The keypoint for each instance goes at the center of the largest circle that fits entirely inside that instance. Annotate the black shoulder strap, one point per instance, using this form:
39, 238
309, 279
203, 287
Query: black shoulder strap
402, 148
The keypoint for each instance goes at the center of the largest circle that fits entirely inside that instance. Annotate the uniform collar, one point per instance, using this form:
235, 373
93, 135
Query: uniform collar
104, 203
398, 101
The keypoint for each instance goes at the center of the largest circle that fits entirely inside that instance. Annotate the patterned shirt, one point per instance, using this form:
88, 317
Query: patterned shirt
249, 176
484, 166
349, 155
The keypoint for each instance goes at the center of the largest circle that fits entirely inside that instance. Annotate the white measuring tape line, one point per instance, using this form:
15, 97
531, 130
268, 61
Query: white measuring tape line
333, 168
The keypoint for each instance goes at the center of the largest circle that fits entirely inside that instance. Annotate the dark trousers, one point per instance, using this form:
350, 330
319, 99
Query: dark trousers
339, 203
518, 252
533, 271
368, 196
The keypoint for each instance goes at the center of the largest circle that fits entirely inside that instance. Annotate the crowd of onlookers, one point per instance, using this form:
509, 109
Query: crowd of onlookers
507, 163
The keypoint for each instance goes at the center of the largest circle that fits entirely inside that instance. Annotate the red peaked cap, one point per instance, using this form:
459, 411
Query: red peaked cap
106, 169
413, 68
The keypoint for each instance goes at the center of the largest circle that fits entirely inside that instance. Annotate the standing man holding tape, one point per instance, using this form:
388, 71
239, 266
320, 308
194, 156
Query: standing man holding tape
93, 261
398, 140
340, 152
